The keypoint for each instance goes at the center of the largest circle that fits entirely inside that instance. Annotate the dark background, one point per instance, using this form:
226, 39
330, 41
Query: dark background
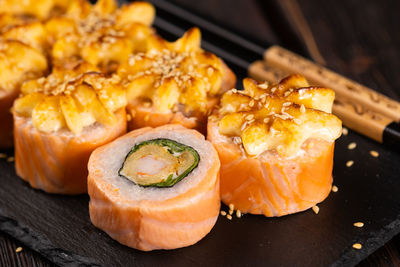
359, 39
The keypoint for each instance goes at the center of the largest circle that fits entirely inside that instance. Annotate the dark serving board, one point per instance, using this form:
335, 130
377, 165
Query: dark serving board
59, 228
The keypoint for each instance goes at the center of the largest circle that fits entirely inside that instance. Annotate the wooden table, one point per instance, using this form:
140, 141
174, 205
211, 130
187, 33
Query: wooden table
359, 39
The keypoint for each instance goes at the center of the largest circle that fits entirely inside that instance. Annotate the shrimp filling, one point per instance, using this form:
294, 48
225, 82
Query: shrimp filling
159, 163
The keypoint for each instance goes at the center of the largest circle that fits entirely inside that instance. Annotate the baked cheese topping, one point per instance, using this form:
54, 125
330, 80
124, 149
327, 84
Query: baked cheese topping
71, 99
173, 74
278, 117
101, 34
18, 63
41, 9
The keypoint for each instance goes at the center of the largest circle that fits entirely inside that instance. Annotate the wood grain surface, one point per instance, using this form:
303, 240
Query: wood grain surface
356, 38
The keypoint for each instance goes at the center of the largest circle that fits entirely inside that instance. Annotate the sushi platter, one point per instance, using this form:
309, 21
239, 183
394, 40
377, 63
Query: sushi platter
154, 194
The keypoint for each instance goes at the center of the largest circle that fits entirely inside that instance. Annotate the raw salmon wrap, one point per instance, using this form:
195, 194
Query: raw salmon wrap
18, 63
59, 120
155, 188
174, 82
275, 143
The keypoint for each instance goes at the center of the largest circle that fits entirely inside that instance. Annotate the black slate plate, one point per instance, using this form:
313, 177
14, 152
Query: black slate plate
59, 228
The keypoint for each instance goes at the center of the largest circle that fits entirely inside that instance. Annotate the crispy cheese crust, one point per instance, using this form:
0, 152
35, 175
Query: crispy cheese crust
71, 99
278, 117
177, 77
100, 34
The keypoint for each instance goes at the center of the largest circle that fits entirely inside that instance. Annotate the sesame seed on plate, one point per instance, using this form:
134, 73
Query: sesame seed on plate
357, 246
315, 209
352, 145
230, 212
238, 213
19, 249
231, 206
358, 224
345, 131
374, 153
229, 217
335, 189
10, 159
223, 213
349, 163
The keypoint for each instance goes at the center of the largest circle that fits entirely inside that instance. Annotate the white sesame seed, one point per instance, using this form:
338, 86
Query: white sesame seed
210, 71
249, 117
19, 249
357, 246
335, 189
358, 224
315, 209
273, 89
349, 163
231, 206
238, 213
230, 212
345, 131
302, 108
223, 213
251, 104
263, 85
351, 146
229, 217
374, 153
266, 120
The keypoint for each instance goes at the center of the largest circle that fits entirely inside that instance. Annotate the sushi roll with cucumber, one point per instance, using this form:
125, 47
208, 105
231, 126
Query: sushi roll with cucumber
155, 188
59, 120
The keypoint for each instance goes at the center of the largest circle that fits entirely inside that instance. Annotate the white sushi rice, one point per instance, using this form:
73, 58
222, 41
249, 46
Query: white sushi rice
113, 157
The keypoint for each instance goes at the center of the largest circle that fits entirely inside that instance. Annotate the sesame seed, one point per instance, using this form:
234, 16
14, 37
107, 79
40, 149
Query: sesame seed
345, 131
251, 104
231, 206
349, 163
357, 246
19, 249
358, 224
302, 108
266, 120
273, 89
234, 90
210, 71
351, 146
249, 117
335, 189
3, 156
315, 209
223, 213
229, 217
237, 140
374, 153
10, 159
238, 213
263, 85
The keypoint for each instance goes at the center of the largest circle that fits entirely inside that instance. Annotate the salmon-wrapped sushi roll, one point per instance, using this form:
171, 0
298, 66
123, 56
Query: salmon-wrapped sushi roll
100, 34
155, 188
275, 143
59, 120
174, 83
18, 63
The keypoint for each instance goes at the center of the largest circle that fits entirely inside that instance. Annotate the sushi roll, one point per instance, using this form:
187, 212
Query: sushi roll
100, 34
18, 63
155, 188
174, 83
59, 120
275, 143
